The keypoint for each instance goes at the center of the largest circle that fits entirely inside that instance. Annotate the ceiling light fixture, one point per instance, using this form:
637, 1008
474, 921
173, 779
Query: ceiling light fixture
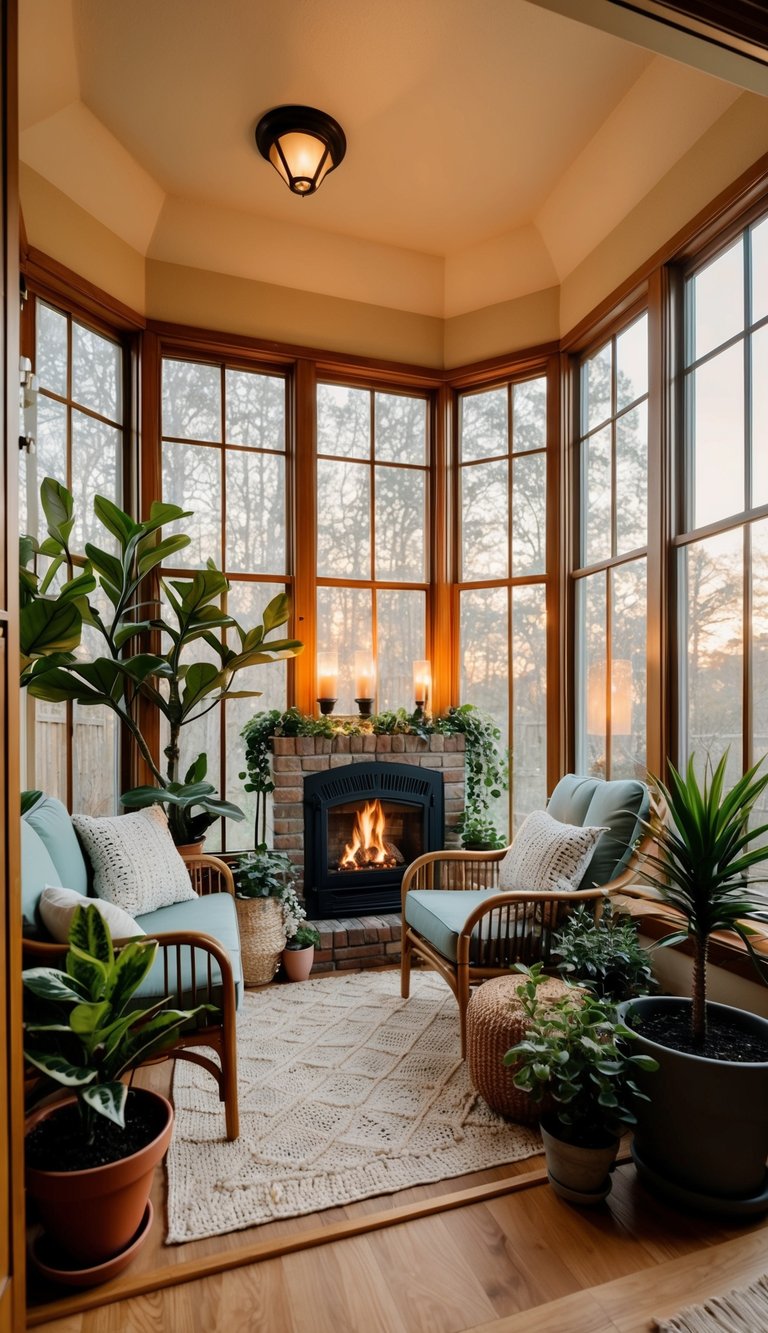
302, 144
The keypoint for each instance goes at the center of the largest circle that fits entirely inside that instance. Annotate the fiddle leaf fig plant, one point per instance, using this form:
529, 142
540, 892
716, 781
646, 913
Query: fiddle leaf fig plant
171, 617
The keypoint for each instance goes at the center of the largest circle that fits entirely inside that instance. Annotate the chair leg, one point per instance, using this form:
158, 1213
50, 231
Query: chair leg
229, 1075
462, 995
405, 966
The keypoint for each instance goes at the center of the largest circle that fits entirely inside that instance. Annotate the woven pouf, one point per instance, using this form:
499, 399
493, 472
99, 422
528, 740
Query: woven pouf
262, 938
495, 1022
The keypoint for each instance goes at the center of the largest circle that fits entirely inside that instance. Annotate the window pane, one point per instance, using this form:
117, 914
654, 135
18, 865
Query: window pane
401, 428
246, 602
717, 292
597, 497
591, 629
51, 728
596, 388
718, 435
529, 515
343, 421
713, 633
485, 521
255, 409
51, 350
50, 457
400, 524
483, 429
96, 373
344, 522
401, 642
628, 670
760, 655
760, 417
95, 454
255, 527
528, 761
192, 479
485, 662
529, 415
632, 479
191, 400
760, 270
632, 363
344, 619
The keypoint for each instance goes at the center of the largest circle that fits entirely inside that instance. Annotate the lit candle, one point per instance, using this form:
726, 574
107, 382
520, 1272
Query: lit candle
365, 676
422, 679
327, 675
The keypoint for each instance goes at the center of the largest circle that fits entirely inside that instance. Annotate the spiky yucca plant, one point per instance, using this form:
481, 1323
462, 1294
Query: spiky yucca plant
702, 864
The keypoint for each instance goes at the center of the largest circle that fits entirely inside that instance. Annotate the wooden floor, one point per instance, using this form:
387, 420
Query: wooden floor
523, 1262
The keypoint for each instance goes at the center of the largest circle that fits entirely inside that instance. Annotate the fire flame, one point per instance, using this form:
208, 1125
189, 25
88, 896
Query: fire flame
367, 847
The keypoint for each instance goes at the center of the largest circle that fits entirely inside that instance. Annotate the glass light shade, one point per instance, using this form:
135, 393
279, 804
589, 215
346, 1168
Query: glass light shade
327, 675
365, 676
302, 144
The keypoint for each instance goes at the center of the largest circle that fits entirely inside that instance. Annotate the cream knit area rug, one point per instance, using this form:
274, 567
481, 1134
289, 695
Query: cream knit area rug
346, 1091
739, 1311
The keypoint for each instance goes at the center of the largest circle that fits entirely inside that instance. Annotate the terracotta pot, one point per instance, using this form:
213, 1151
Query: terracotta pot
579, 1175
298, 962
92, 1215
190, 848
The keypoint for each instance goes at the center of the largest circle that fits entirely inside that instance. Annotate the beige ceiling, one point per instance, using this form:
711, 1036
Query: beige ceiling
491, 143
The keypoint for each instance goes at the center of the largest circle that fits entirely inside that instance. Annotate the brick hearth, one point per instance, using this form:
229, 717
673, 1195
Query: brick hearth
370, 941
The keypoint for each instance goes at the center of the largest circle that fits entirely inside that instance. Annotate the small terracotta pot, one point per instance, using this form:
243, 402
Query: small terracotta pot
298, 962
190, 848
92, 1215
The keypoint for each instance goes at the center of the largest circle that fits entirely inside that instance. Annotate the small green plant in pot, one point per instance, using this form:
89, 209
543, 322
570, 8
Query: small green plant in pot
712, 1056
576, 1051
605, 956
83, 1033
263, 880
299, 952
479, 833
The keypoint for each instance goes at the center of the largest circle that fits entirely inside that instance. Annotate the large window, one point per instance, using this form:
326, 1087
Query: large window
723, 541
224, 457
72, 751
372, 536
611, 574
502, 500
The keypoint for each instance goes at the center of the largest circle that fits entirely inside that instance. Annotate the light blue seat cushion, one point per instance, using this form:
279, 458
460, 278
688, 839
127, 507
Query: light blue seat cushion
618, 806
439, 914
37, 870
214, 914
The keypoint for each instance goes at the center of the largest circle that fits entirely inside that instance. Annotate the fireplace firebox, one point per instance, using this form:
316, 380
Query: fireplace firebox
363, 825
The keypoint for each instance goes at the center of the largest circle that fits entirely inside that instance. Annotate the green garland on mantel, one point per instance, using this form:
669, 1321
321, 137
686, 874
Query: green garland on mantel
487, 766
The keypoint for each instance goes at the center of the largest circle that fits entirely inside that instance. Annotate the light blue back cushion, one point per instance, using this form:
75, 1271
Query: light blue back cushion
570, 800
50, 820
619, 806
37, 870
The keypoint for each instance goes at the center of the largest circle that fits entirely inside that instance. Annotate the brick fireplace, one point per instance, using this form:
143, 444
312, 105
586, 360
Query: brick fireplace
373, 937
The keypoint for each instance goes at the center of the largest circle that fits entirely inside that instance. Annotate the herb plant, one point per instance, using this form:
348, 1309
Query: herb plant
604, 955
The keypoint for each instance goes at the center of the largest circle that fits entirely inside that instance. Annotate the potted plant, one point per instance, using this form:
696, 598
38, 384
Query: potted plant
604, 955
168, 681
704, 1141
575, 1052
90, 1158
299, 952
262, 880
192, 806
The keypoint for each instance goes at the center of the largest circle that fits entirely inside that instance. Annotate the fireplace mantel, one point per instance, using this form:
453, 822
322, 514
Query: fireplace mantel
294, 757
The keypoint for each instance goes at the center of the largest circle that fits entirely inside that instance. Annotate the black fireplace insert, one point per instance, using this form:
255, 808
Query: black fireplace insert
363, 825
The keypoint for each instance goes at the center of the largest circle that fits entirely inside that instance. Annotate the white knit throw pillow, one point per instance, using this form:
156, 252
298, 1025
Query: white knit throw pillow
134, 860
58, 906
547, 854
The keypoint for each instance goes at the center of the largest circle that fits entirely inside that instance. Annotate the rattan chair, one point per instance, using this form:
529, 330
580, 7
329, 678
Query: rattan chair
457, 921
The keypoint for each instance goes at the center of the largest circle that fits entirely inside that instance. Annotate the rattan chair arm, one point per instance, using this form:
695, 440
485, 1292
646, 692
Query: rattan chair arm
445, 857
209, 874
188, 939
510, 897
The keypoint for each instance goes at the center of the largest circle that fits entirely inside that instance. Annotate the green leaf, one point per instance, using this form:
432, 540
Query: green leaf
157, 554
202, 679
79, 586
131, 966
58, 508
161, 513
85, 1018
115, 520
276, 612
108, 1099
107, 565
47, 626
48, 983
60, 1069
89, 933
197, 771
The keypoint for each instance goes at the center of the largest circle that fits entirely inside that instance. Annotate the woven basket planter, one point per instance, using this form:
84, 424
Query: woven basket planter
496, 1022
262, 938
